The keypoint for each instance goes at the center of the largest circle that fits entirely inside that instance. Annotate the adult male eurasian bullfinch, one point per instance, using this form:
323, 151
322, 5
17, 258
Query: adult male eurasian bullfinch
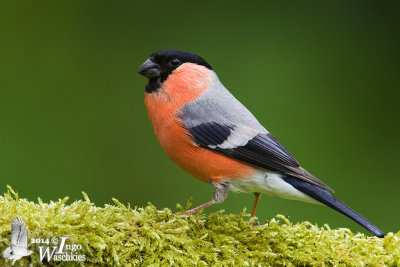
206, 131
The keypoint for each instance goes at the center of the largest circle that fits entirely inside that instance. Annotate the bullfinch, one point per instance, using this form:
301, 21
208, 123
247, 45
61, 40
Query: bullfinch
206, 131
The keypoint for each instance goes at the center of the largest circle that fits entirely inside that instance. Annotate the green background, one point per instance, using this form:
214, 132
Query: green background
322, 77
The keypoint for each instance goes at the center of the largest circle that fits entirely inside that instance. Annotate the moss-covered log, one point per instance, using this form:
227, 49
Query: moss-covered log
118, 235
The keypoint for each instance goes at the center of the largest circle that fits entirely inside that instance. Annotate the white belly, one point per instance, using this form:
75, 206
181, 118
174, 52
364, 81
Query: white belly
270, 183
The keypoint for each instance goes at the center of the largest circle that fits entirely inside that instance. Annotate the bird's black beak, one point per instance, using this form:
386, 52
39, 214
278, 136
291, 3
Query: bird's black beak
150, 69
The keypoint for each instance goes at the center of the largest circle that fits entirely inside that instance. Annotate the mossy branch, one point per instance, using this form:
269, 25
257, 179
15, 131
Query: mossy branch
118, 235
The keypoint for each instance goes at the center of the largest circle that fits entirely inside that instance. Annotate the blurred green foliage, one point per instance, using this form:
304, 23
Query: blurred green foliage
323, 77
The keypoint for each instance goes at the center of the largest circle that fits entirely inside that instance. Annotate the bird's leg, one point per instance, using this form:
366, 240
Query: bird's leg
257, 197
192, 211
219, 195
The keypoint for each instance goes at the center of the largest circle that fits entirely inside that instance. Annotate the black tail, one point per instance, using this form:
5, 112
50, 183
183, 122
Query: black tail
326, 198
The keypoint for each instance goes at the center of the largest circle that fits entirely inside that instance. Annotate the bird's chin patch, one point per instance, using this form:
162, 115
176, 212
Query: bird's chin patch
153, 85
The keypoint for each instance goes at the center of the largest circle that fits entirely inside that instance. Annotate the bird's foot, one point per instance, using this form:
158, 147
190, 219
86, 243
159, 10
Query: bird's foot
192, 211
255, 223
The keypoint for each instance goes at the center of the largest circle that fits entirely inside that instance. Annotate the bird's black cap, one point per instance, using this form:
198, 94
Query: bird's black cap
162, 63
183, 56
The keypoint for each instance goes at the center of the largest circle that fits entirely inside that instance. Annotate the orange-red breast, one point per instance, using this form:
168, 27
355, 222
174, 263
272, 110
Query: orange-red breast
206, 131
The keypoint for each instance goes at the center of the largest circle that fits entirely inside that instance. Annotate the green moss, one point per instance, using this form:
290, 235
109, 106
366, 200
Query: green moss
118, 235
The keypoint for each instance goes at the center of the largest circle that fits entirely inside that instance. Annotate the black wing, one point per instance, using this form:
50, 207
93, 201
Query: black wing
246, 145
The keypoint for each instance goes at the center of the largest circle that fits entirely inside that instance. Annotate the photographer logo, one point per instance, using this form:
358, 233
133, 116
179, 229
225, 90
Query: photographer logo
50, 249
19, 241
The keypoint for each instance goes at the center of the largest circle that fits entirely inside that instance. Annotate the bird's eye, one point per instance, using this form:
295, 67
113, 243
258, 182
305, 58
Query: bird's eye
175, 62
